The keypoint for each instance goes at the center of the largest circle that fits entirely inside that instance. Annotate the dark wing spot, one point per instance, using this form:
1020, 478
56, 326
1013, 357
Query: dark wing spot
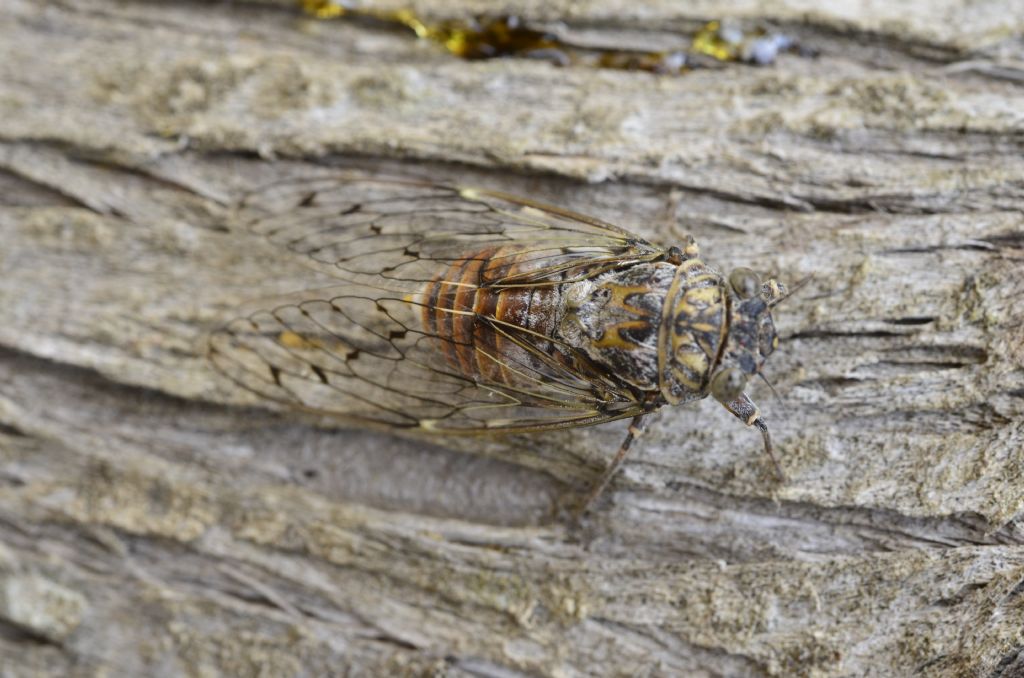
275, 373
319, 373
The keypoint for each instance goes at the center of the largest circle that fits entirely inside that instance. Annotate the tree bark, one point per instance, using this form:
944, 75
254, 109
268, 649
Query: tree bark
156, 521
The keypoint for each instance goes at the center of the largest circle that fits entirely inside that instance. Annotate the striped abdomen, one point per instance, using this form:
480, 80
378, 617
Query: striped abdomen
470, 317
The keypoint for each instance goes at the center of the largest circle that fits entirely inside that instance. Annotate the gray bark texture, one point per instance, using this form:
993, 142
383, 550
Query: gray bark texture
156, 521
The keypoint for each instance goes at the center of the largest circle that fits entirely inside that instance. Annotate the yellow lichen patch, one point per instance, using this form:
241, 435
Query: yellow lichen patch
323, 9
488, 36
710, 41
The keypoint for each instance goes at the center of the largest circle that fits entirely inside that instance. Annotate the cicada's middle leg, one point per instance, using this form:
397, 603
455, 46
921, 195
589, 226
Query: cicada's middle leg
636, 429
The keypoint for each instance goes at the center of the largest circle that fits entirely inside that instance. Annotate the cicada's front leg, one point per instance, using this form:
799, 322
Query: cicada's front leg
746, 411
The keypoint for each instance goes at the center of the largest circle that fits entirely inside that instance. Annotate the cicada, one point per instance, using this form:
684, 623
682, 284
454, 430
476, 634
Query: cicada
469, 311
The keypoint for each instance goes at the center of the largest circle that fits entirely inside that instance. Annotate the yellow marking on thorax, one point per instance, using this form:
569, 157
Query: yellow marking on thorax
612, 337
707, 295
689, 357
621, 292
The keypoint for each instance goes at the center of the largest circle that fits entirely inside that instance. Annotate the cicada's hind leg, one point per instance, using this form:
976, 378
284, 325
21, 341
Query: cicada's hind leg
636, 429
744, 409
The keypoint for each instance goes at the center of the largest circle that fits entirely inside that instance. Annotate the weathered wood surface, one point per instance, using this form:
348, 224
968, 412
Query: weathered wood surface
153, 521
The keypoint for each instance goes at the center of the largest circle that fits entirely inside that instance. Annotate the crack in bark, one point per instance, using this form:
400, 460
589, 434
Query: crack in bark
18, 634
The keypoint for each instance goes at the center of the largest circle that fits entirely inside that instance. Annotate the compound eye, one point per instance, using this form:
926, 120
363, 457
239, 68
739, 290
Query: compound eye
744, 282
728, 384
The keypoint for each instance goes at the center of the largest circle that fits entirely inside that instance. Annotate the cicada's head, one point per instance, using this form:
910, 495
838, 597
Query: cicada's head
751, 338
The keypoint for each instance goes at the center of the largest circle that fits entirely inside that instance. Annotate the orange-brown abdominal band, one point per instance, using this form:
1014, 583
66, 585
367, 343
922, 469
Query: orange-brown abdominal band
457, 300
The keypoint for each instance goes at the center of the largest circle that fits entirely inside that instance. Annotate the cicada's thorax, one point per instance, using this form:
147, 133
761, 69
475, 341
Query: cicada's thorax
615, 319
655, 327
694, 331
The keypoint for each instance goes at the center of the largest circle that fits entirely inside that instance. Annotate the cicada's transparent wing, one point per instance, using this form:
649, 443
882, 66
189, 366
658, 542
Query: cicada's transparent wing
415, 335
366, 357
400, 234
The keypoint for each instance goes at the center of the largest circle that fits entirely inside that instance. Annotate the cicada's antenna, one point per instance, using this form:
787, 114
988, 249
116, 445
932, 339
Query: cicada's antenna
799, 285
771, 386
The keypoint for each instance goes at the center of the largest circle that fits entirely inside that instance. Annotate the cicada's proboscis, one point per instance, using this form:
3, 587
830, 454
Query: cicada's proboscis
467, 311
